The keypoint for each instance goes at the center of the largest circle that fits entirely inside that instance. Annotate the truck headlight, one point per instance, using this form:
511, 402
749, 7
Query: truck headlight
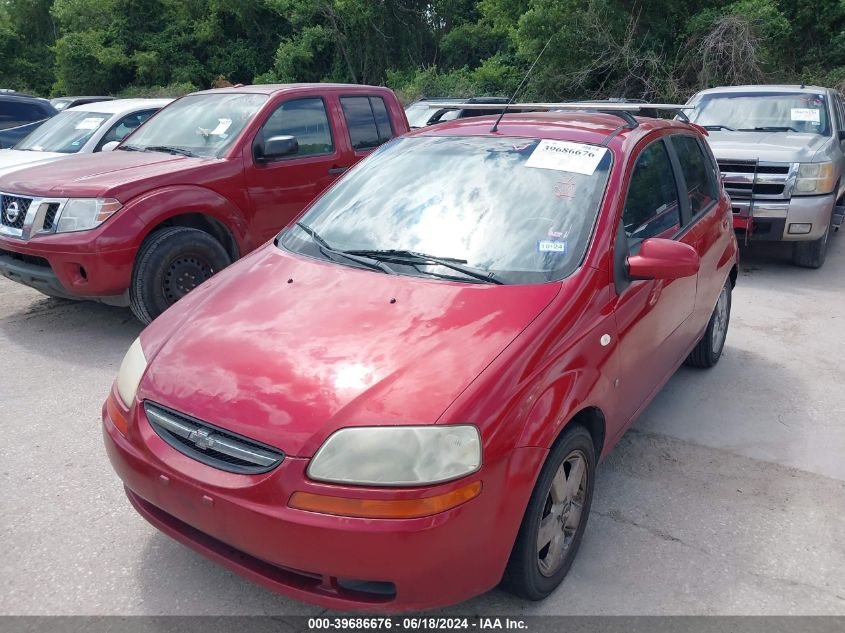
131, 370
397, 455
815, 178
81, 214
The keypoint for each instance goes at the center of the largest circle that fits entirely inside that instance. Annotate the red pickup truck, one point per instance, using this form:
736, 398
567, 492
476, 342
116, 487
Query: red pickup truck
205, 181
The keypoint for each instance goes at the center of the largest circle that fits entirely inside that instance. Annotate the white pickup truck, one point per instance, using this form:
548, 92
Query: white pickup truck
781, 151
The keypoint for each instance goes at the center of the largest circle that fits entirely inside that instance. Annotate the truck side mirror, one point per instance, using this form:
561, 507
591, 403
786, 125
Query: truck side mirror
275, 147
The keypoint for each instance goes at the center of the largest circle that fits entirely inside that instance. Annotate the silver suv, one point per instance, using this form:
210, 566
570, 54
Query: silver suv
781, 151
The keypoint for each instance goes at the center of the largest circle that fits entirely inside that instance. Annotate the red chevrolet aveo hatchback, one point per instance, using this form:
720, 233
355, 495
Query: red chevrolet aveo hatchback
401, 401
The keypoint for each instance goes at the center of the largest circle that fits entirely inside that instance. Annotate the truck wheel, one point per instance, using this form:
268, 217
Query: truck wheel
709, 349
811, 254
170, 263
555, 519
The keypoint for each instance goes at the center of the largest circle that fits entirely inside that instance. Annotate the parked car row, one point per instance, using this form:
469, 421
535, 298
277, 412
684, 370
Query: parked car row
398, 397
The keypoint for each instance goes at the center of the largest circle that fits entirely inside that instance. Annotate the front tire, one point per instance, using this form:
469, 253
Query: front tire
708, 351
171, 262
555, 519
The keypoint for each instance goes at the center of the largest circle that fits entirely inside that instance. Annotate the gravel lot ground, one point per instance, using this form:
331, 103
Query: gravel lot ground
726, 497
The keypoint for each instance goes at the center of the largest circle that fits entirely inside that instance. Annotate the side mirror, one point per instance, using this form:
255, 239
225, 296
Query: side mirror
109, 146
276, 147
663, 259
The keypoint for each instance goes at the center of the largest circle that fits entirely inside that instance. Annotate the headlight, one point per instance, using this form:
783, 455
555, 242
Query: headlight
81, 214
397, 455
129, 375
815, 178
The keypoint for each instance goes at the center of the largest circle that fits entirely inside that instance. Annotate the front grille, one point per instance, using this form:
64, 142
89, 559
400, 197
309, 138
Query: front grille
14, 210
50, 216
747, 179
211, 445
748, 167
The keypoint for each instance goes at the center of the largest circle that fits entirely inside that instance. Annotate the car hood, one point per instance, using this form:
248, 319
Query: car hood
285, 349
106, 174
14, 159
779, 147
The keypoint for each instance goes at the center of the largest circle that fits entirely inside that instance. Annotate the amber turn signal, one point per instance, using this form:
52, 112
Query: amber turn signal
116, 415
384, 508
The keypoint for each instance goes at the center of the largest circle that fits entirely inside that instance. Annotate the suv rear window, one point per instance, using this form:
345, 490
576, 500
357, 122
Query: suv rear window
367, 121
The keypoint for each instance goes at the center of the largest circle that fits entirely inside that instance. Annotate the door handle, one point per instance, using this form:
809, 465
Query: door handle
334, 171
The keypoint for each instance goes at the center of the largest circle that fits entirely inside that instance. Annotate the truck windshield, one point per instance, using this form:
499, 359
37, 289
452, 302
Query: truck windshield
66, 132
762, 112
201, 125
514, 210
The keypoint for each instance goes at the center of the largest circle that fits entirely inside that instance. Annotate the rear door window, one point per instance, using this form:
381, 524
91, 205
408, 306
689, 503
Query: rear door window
652, 208
367, 120
701, 180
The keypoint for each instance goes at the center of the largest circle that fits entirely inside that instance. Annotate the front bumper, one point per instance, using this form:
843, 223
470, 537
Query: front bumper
67, 268
244, 523
769, 220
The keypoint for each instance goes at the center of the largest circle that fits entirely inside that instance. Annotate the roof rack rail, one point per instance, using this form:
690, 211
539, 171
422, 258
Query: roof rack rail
622, 109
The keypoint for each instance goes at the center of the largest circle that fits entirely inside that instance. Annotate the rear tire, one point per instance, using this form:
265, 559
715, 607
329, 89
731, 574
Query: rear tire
170, 263
811, 254
708, 351
555, 518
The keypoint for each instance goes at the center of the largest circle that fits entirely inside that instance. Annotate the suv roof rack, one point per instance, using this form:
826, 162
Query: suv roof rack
622, 109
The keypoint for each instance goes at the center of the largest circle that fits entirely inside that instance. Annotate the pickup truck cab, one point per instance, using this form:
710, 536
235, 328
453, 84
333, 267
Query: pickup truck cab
203, 182
781, 151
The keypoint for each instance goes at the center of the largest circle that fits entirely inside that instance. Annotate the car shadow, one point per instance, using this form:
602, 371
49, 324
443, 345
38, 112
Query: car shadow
85, 332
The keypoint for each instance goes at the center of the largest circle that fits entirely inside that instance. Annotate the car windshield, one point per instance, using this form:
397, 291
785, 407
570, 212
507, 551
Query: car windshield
514, 209
762, 111
66, 132
202, 125
418, 114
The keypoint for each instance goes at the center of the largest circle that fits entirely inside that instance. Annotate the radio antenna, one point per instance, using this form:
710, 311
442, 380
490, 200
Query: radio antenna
519, 87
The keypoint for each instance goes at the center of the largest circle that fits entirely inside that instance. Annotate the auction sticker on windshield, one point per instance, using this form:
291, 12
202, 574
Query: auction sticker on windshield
806, 114
91, 123
578, 158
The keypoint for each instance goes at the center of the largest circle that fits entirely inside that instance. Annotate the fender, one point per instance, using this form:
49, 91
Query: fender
131, 225
559, 403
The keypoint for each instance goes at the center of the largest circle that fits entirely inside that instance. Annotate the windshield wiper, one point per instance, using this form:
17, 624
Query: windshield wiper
715, 127
413, 258
170, 150
130, 148
326, 248
770, 128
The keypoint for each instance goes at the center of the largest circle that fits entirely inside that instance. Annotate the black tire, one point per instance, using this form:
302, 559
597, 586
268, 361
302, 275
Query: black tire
170, 263
811, 254
524, 576
708, 351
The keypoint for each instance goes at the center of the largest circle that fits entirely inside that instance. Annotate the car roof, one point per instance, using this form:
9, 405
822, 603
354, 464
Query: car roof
764, 88
578, 126
120, 106
78, 97
269, 89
